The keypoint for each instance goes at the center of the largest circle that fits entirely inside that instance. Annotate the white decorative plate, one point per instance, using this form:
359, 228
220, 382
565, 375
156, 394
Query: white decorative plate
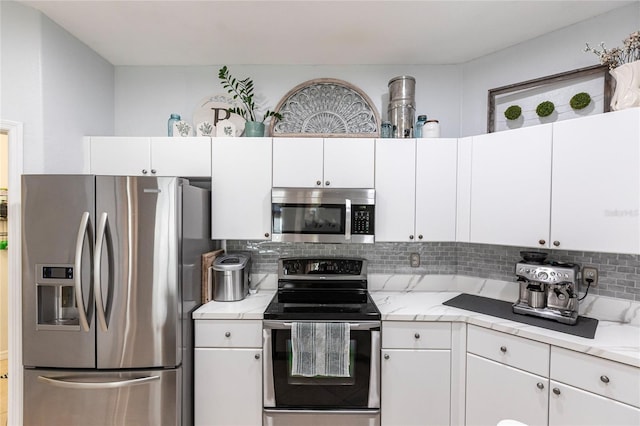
326, 107
212, 109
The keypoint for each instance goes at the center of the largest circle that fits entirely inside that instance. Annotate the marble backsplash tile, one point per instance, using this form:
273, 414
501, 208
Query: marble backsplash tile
619, 274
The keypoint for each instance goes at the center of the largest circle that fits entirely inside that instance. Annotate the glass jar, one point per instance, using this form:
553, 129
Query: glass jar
385, 129
419, 124
431, 129
174, 118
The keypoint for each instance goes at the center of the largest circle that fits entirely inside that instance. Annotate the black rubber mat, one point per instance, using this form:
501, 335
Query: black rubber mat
585, 327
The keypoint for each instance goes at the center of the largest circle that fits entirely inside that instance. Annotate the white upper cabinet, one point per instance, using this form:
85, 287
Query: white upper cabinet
511, 187
463, 189
241, 189
596, 183
416, 189
317, 162
143, 156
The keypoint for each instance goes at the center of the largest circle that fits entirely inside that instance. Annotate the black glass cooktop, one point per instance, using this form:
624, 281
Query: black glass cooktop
326, 310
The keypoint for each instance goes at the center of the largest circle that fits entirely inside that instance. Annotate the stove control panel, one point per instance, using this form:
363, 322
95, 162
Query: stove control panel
316, 268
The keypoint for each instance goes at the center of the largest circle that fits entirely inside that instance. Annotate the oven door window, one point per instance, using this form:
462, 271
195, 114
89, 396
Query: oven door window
322, 392
327, 219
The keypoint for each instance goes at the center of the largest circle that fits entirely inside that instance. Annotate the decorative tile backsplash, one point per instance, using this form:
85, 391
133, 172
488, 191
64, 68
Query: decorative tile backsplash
619, 274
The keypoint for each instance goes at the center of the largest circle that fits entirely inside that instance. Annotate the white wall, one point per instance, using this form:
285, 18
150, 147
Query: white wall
145, 96
56, 86
556, 52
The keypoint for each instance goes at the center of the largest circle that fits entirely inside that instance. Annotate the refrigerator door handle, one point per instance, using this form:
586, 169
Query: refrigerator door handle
97, 263
97, 385
82, 231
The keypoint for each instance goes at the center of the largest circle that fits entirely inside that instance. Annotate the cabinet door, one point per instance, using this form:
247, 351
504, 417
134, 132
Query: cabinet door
572, 406
415, 388
349, 163
511, 187
297, 162
181, 156
120, 156
228, 387
596, 183
497, 392
241, 188
395, 189
436, 161
463, 189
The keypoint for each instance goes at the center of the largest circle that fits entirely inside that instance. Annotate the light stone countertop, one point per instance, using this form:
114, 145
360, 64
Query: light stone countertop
420, 297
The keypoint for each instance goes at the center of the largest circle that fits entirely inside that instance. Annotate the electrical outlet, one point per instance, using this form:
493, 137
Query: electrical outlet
590, 273
414, 260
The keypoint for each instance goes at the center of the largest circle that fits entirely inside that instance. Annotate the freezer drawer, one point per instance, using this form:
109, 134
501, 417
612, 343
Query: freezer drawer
70, 398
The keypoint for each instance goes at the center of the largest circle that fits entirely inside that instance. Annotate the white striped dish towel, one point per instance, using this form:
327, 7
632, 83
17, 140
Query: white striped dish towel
320, 349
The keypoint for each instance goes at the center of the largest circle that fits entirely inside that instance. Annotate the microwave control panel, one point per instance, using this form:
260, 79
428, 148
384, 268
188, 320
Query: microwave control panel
362, 219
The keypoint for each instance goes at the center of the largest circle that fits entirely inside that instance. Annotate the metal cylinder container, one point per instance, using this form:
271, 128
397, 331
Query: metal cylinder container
402, 105
231, 277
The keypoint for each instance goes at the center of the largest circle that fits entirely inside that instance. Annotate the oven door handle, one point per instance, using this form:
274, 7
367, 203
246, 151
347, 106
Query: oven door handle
356, 326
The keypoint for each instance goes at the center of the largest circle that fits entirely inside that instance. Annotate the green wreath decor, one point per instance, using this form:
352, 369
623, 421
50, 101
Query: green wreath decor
513, 112
580, 100
545, 109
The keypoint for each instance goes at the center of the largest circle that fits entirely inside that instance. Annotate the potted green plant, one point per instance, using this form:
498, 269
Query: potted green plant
242, 90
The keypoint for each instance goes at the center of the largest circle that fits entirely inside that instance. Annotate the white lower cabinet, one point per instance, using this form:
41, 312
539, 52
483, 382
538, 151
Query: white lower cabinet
228, 373
415, 374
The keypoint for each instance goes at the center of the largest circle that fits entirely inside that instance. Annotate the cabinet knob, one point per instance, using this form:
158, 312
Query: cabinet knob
386, 356
327, 183
604, 379
420, 236
417, 335
266, 234
153, 171
227, 334
503, 349
318, 182
257, 356
411, 237
542, 242
144, 171
556, 243
540, 385
556, 391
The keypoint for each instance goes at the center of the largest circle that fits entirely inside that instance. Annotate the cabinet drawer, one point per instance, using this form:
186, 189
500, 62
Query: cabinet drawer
416, 335
512, 350
228, 334
601, 376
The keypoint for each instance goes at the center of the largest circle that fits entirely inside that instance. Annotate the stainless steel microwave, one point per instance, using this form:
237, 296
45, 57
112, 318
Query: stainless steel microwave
323, 215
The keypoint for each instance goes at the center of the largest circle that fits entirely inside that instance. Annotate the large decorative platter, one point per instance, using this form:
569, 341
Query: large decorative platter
212, 109
326, 107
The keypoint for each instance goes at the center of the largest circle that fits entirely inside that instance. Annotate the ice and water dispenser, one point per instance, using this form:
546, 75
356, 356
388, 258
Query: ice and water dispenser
56, 297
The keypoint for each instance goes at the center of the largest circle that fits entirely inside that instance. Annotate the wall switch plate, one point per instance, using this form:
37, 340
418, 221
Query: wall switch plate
590, 273
414, 260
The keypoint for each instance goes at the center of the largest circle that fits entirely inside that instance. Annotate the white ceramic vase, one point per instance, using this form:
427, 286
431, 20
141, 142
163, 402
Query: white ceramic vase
627, 91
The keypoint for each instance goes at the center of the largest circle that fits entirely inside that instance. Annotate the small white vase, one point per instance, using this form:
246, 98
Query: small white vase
627, 91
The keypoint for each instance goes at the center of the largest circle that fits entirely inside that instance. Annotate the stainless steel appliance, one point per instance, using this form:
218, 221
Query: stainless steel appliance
323, 215
322, 290
231, 277
547, 289
111, 275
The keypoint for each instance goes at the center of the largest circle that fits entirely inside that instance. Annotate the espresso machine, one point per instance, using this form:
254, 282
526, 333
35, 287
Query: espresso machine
547, 289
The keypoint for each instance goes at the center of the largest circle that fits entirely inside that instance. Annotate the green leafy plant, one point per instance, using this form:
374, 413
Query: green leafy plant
242, 90
513, 112
580, 100
545, 109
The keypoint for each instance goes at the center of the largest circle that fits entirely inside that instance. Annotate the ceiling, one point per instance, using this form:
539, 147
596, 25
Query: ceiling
303, 32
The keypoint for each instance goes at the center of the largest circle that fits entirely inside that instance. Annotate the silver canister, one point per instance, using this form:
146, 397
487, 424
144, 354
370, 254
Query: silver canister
231, 277
402, 105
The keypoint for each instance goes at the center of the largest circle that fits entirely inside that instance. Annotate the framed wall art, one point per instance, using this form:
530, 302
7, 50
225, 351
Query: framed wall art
571, 94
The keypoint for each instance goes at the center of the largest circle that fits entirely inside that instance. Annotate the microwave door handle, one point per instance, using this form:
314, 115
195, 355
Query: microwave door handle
347, 225
82, 231
97, 271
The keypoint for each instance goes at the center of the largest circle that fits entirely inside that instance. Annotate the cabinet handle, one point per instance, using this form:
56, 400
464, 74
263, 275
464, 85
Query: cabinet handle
257, 356
556, 391
556, 243
420, 236
417, 335
266, 234
227, 334
144, 171
386, 356
604, 379
503, 349
318, 182
327, 183
542, 242
540, 385
411, 237
153, 171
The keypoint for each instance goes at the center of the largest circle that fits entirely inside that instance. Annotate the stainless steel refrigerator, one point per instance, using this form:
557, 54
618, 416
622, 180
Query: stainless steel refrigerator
111, 275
